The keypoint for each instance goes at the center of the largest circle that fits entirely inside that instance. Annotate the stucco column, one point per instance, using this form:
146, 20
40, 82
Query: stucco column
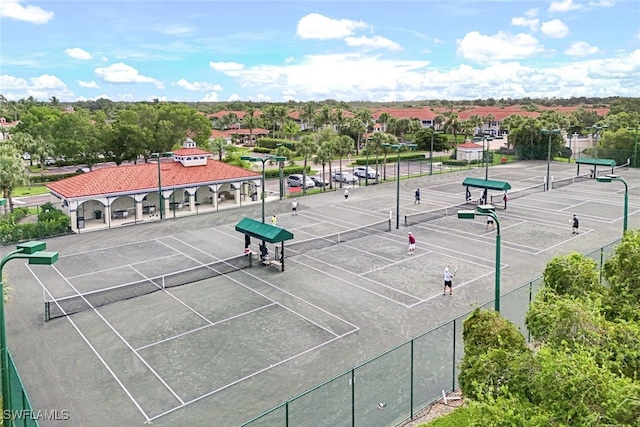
73, 215
138, 209
236, 198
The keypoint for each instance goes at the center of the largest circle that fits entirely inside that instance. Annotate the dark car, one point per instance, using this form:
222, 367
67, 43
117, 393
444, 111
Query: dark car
318, 181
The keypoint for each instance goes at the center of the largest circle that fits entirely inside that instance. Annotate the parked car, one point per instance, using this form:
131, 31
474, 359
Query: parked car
319, 182
345, 177
363, 171
49, 161
83, 170
295, 180
26, 156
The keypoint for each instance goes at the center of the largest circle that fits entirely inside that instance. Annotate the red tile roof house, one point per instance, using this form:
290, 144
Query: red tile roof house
469, 151
191, 181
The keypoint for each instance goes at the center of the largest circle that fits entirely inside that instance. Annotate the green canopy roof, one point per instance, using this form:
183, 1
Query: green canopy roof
267, 232
597, 162
486, 183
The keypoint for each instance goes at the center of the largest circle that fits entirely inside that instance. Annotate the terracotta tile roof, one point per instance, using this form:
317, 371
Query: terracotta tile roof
131, 178
240, 114
215, 133
410, 113
470, 145
256, 131
190, 151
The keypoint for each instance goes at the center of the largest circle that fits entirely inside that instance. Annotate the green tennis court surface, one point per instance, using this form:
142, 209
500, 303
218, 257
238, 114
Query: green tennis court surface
169, 324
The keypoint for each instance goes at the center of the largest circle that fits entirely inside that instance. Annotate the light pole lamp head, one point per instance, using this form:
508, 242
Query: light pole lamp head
31, 247
466, 214
486, 209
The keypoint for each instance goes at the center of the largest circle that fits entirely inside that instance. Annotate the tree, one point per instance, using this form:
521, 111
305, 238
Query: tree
355, 129
218, 146
281, 115
40, 150
343, 146
290, 128
308, 112
452, 125
422, 139
324, 117
12, 173
322, 157
306, 148
622, 271
250, 121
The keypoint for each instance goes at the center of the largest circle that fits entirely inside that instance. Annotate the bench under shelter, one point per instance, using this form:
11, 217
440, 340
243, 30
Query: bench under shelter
595, 163
266, 233
485, 184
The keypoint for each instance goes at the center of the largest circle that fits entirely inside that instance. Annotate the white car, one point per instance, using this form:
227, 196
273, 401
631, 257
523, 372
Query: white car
49, 161
26, 156
363, 171
295, 180
345, 177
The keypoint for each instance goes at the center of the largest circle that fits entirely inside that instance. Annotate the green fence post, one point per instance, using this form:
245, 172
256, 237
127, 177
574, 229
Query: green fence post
453, 373
286, 414
411, 387
353, 398
601, 263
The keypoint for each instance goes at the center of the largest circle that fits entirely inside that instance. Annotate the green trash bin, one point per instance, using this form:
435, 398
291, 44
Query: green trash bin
98, 214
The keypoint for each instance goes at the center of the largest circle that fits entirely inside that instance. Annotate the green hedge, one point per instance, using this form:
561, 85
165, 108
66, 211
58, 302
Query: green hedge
52, 178
288, 170
391, 158
51, 222
262, 150
274, 142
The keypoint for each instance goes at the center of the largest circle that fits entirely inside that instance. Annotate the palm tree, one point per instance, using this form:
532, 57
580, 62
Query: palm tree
365, 116
384, 119
322, 157
308, 113
307, 147
375, 144
228, 120
476, 122
269, 116
281, 115
452, 124
467, 128
343, 146
358, 128
42, 149
12, 173
217, 145
438, 121
250, 121
290, 128
324, 117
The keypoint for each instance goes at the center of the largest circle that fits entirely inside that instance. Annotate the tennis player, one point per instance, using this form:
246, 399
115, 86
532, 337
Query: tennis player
447, 280
412, 244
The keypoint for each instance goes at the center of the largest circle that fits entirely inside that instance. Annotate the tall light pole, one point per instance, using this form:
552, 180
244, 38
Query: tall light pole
635, 146
433, 132
35, 253
485, 155
264, 160
398, 148
488, 210
609, 178
160, 198
550, 133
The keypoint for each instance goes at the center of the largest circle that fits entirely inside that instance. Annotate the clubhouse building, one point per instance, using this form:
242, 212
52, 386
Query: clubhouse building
187, 182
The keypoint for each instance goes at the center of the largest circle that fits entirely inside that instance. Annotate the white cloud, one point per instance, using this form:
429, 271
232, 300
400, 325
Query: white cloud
104, 59
637, 36
581, 49
234, 97
502, 46
152, 98
316, 26
103, 96
226, 66
210, 97
41, 87
289, 59
123, 73
425, 50
555, 28
90, 84
198, 86
602, 3
438, 41
563, 6
531, 13
520, 21
78, 53
374, 42
34, 14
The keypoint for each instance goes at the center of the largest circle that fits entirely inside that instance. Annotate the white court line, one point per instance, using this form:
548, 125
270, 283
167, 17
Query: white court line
109, 248
366, 278
355, 248
553, 211
353, 284
353, 208
119, 336
84, 338
125, 265
575, 205
212, 392
589, 197
470, 236
204, 326
502, 266
189, 245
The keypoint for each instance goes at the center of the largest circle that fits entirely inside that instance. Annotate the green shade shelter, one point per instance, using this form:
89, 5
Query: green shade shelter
265, 232
595, 163
489, 184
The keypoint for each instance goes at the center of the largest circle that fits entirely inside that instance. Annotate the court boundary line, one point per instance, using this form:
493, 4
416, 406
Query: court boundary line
124, 265
502, 266
109, 247
93, 349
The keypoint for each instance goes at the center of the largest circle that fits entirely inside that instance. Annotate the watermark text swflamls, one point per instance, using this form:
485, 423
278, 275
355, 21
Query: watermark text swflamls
41, 415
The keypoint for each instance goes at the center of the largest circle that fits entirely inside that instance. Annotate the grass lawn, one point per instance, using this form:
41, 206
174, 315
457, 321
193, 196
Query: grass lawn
35, 190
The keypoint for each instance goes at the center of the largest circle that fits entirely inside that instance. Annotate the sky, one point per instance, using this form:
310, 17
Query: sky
277, 51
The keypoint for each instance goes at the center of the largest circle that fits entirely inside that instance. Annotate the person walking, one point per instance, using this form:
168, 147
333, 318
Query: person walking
576, 224
417, 200
412, 244
247, 243
346, 193
274, 220
447, 280
294, 207
504, 199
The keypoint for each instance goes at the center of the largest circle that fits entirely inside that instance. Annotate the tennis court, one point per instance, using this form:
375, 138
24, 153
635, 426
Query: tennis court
167, 323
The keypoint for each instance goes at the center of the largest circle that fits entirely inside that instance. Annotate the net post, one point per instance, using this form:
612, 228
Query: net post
405, 220
46, 311
163, 283
389, 224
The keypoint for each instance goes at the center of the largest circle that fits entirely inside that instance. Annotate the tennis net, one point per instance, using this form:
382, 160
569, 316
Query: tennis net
304, 246
76, 303
568, 181
496, 199
434, 214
